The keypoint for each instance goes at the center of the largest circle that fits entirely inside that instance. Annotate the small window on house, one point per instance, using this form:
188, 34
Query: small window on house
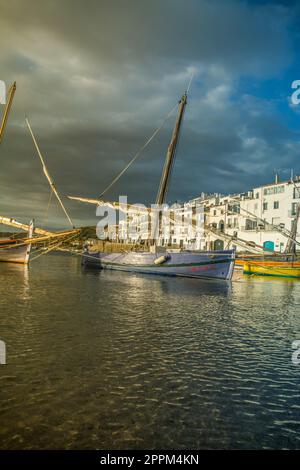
294, 208
276, 204
265, 206
257, 195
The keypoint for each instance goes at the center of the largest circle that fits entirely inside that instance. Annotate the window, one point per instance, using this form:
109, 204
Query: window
215, 212
257, 195
234, 208
296, 193
265, 206
250, 224
294, 208
274, 190
276, 204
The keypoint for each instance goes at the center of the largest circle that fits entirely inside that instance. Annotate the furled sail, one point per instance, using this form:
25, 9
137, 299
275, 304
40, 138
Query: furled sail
114, 205
46, 173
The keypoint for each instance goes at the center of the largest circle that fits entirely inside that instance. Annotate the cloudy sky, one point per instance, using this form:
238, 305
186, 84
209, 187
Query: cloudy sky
96, 77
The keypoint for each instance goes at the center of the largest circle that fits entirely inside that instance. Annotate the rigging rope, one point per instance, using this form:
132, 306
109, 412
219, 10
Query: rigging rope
52, 247
139, 151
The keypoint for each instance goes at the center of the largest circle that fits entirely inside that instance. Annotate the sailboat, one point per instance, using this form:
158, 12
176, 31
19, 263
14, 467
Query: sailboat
201, 265
13, 250
17, 250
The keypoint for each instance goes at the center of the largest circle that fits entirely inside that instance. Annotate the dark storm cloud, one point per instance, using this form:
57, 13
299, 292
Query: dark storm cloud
97, 77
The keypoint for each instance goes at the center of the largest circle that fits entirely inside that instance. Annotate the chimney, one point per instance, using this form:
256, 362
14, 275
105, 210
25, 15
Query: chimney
276, 178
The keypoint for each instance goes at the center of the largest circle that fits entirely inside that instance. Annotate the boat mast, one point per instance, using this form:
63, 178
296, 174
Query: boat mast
7, 109
291, 243
165, 177
46, 173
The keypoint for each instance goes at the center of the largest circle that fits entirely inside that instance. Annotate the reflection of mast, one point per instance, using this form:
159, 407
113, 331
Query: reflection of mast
11, 94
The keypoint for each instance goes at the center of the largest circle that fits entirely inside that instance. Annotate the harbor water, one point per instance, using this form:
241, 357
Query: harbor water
112, 360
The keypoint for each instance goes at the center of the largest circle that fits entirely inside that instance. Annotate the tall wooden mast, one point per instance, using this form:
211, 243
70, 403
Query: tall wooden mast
291, 243
7, 109
165, 177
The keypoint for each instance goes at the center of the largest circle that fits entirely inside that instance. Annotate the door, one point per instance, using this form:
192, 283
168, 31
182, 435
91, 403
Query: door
268, 245
218, 245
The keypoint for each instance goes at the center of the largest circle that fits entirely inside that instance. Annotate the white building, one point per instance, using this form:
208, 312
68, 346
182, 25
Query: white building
258, 217
250, 221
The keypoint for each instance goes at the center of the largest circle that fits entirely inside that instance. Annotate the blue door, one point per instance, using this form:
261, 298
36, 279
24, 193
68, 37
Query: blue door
269, 246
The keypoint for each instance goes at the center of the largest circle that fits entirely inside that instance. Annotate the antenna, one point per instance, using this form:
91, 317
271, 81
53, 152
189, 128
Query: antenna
190, 82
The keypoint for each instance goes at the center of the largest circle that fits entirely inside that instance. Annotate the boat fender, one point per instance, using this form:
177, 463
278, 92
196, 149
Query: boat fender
161, 259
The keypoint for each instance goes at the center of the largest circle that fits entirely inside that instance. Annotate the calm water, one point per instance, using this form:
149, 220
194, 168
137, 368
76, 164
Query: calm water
124, 361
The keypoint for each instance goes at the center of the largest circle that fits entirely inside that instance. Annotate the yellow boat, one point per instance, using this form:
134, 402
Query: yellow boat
273, 268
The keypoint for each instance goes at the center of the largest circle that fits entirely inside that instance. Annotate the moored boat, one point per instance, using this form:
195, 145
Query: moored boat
208, 265
273, 268
16, 250
204, 265
18, 253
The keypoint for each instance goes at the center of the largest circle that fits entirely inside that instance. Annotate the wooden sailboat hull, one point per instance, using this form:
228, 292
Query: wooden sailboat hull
205, 265
273, 268
241, 262
15, 254
18, 250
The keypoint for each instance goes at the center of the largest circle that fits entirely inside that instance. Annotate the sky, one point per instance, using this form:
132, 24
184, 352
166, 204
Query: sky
96, 77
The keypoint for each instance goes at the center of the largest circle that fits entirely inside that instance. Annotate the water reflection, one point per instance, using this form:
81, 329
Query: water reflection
15, 276
116, 360
167, 285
